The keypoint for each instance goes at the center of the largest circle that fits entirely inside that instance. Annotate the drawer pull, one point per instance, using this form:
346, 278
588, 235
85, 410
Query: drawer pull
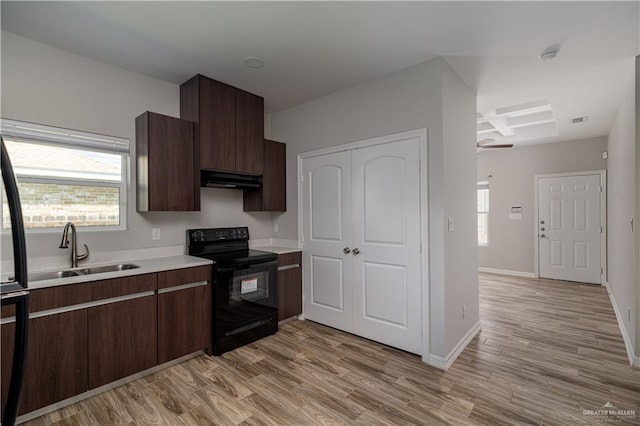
292, 266
182, 287
71, 308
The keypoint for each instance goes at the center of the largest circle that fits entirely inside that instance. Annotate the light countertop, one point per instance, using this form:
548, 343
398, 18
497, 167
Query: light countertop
277, 249
147, 266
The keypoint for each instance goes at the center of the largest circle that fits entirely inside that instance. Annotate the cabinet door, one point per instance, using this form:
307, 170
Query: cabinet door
122, 339
184, 312
167, 178
184, 321
272, 196
217, 125
289, 285
56, 364
249, 132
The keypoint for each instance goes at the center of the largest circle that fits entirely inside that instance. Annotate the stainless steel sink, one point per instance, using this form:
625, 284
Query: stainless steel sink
41, 276
106, 268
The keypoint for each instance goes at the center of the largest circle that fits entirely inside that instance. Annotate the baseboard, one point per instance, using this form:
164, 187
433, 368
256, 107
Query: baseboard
444, 363
633, 360
507, 272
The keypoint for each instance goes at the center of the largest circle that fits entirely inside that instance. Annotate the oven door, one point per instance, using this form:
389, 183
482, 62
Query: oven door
244, 294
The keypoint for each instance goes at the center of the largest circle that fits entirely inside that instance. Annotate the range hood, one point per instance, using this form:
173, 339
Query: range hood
218, 179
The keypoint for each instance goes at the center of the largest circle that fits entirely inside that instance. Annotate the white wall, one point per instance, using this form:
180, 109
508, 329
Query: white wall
512, 242
621, 207
459, 166
405, 100
637, 215
44, 84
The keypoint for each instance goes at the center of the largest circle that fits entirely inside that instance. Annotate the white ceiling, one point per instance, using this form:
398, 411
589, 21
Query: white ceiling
314, 48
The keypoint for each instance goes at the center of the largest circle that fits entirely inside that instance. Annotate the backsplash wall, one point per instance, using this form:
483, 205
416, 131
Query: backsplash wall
48, 85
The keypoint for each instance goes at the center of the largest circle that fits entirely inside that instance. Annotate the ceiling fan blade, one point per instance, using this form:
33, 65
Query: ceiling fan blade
510, 145
483, 142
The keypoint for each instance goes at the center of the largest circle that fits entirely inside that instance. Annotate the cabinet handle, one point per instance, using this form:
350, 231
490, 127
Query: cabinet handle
182, 287
71, 308
286, 267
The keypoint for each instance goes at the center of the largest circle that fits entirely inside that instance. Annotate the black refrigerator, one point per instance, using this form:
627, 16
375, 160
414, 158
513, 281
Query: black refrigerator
14, 292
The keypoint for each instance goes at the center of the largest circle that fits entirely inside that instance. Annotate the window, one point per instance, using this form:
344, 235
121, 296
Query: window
66, 175
483, 213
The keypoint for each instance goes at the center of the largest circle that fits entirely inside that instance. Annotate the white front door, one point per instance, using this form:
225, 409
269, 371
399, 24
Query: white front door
326, 209
569, 228
386, 233
361, 234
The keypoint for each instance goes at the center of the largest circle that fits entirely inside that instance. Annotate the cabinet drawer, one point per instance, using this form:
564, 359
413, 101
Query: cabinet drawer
288, 259
179, 277
106, 289
58, 297
74, 294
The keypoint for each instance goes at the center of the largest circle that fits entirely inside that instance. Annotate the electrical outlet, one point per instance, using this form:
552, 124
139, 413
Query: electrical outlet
629, 313
464, 311
155, 234
450, 224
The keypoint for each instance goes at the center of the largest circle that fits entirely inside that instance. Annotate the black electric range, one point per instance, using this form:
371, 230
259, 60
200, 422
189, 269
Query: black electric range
245, 299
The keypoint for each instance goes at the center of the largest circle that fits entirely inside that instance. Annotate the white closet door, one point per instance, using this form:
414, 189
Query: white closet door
386, 239
328, 287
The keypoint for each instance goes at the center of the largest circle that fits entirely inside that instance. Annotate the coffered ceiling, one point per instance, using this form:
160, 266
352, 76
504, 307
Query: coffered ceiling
314, 48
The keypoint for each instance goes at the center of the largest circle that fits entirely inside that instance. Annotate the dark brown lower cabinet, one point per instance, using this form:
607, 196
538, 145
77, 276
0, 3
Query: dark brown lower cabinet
289, 285
184, 322
56, 364
122, 339
71, 352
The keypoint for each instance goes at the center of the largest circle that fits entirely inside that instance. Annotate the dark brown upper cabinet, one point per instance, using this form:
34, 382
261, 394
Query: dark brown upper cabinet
167, 178
272, 195
230, 124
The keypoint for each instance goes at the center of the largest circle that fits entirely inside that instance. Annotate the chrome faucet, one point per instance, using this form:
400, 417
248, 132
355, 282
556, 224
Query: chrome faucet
75, 258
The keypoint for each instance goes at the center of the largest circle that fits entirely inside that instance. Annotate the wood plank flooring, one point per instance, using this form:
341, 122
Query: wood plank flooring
547, 351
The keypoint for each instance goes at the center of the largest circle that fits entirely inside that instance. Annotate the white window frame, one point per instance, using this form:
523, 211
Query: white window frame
483, 185
55, 136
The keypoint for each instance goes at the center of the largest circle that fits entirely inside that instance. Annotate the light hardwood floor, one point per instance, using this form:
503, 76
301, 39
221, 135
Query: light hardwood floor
547, 351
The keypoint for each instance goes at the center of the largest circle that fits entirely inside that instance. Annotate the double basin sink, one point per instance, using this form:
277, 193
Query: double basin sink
76, 272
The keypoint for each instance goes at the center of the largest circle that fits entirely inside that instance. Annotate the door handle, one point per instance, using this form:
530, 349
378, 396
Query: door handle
356, 251
543, 236
346, 250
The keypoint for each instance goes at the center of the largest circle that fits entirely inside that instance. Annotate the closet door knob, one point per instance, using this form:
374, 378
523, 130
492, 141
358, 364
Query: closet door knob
356, 251
346, 250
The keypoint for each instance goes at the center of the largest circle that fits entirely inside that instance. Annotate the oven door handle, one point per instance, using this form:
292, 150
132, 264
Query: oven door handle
248, 265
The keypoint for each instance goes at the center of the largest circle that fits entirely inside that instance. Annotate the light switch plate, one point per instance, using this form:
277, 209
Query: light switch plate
450, 224
155, 234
